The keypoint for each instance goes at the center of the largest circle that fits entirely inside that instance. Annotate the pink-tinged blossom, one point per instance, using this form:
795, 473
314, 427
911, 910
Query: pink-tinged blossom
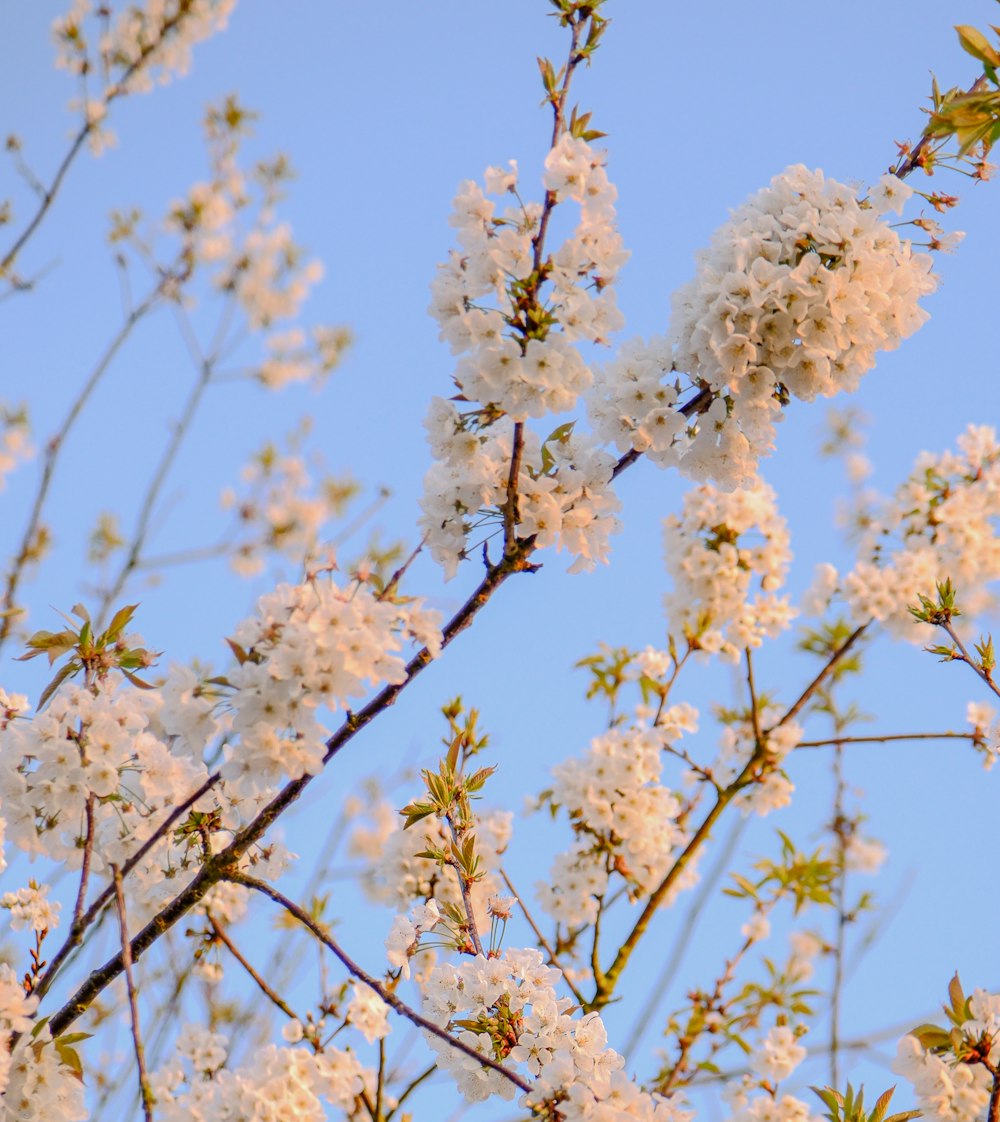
277, 1082
30, 907
777, 1055
564, 487
513, 366
15, 446
315, 645
942, 523
794, 296
727, 555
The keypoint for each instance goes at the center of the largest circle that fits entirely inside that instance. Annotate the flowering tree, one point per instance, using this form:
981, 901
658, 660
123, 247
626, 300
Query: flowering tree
144, 799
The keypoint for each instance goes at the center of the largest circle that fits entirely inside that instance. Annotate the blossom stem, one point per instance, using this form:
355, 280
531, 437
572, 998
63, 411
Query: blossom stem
464, 887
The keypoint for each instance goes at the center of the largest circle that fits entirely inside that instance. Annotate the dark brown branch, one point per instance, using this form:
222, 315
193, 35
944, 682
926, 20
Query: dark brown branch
75, 936
799, 704
383, 992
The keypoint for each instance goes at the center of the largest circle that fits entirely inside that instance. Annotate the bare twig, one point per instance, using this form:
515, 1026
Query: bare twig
887, 738
55, 444
803, 699
145, 1090
275, 998
542, 941
705, 892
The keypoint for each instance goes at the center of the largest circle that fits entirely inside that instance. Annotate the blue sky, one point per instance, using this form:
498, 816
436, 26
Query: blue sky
384, 109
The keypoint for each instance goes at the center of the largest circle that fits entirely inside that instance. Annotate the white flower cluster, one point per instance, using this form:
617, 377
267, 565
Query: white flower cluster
311, 645
281, 508
943, 522
723, 550
624, 819
147, 40
947, 1091
294, 357
777, 1055
98, 773
793, 298
16, 1012
565, 496
514, 312
395, 874
403, 940
37, 1086
103, 752
529, 369
292, 1084
227, 223
773, 789
30, 907
765, 1107
524, 1025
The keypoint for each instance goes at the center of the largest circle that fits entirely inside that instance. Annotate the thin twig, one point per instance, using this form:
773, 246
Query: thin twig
275, 998
410, 1088
380, 1083
886, 738
840, 900
134, 555
985, 675
88, 849
799, 704
383, 992
758, 738
542, 941
914, 160
705, 892
464, 886
53, 448
145, 1091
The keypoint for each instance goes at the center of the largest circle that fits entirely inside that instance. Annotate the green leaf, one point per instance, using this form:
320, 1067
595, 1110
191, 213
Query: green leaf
957, 995
65, 672
976, 43
136, 681
119, 621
